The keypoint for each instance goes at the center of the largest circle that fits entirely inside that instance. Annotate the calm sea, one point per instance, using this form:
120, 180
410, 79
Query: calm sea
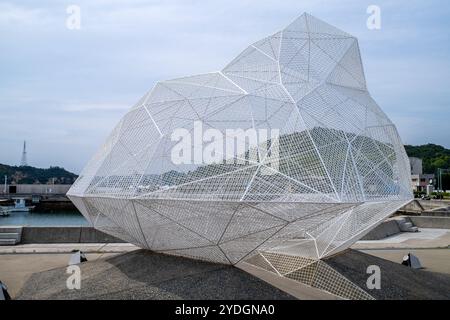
35, 218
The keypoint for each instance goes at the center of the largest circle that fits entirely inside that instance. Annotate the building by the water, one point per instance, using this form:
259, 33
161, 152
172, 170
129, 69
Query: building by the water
419, 180
38, 189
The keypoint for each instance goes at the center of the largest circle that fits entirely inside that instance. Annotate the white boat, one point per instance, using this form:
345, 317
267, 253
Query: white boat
20, 206
4, 211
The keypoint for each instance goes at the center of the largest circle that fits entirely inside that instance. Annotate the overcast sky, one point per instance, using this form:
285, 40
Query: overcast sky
63, 90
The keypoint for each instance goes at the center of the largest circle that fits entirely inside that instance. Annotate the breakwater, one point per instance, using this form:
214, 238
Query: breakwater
65, 234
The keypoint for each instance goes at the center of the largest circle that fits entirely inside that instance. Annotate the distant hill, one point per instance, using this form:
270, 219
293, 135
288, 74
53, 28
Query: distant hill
433, 156
31, 175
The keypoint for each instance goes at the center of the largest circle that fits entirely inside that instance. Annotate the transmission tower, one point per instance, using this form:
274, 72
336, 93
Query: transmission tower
23, 162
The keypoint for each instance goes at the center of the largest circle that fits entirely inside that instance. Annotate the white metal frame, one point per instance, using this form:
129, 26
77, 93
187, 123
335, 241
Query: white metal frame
342, 166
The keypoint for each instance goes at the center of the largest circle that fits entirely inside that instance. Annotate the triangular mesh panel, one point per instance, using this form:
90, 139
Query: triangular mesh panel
318, 166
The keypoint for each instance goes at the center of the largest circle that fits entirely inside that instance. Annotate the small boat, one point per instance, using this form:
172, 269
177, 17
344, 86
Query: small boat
20, 206
4, 211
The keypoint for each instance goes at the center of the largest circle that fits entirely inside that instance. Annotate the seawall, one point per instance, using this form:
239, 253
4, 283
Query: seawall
390, 227
55, 234
435, 222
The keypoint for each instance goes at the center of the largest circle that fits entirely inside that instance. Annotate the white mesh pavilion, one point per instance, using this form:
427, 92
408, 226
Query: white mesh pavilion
340, 167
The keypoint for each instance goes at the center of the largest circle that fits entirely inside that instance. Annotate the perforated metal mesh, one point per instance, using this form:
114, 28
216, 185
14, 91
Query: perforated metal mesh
339, 170
314, 273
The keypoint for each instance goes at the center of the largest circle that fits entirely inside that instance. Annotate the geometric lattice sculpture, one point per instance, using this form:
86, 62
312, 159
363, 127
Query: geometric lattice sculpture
333, 170
311, 272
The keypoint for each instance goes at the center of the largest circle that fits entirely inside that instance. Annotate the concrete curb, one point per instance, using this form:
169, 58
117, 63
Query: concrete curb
431, 222
67, 248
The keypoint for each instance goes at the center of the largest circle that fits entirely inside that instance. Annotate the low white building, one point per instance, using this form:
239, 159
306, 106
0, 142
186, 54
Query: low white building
419, 180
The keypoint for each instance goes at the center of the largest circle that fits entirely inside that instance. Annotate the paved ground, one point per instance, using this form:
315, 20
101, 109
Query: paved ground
398, 282
426, 238
110, 275
435, 260
68, 247
145, 275
19, 262
16, 269
296, 289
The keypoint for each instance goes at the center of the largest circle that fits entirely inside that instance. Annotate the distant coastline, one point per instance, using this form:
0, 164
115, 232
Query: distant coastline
433, 156
32, 175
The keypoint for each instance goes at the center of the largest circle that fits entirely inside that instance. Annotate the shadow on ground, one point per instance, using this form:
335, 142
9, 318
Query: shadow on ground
398, 282
143, 274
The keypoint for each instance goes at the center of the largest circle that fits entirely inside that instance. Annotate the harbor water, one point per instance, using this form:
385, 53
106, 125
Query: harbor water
36, 218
